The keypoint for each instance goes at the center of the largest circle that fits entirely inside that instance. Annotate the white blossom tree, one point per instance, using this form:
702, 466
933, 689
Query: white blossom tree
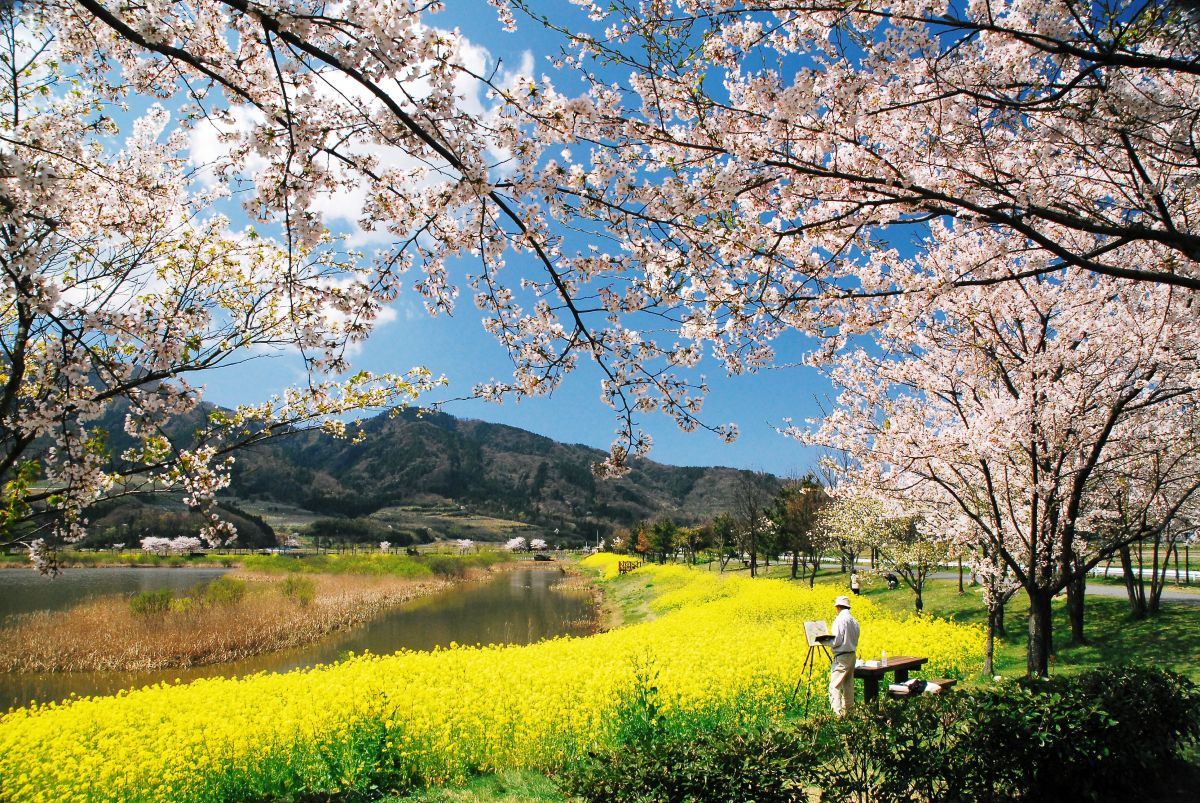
739, 168
734, 172
1008, 417
119, 280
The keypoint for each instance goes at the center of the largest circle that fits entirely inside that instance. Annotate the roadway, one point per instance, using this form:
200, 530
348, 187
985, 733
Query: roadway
1103, 590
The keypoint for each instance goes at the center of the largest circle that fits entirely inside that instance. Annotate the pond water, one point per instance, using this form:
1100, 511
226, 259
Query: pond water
520, 606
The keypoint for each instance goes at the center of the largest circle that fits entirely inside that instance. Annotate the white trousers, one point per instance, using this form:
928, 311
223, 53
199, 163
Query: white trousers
841, 684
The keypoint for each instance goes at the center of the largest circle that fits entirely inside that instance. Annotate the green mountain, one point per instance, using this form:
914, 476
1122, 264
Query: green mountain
433, 459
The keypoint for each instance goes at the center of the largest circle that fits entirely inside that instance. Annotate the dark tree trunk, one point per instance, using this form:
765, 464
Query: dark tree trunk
1075, 608
1134, 586
1159, 580
795, 563
995, 615
1041, 633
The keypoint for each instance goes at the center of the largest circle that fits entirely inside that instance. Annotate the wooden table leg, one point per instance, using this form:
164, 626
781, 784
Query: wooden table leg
901, 675
870, 688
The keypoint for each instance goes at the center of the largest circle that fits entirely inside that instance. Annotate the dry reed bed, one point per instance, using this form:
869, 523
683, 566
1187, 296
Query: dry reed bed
105, 635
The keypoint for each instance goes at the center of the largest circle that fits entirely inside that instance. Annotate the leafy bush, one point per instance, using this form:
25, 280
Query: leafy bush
669, 756
148, 603
182, 604
1149, 715
766, 765
301, 589
224, 591
458, 565
1095, 737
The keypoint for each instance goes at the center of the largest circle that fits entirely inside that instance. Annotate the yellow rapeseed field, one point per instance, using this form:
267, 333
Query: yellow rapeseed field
720, 649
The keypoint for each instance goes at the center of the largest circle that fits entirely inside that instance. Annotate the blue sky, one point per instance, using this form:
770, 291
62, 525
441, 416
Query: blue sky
458, 348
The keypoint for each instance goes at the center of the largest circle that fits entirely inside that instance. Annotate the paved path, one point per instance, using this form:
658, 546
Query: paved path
1102, 590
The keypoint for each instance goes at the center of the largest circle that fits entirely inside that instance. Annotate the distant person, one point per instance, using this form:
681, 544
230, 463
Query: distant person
843, 646
892, 582
854, 584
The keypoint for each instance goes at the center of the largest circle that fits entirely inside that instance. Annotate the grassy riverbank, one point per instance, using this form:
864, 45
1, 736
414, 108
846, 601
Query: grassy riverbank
434, 719
1171, 640
272, 603
72, 559
111, 634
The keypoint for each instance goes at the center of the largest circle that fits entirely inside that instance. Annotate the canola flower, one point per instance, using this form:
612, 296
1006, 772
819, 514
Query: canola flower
722, 649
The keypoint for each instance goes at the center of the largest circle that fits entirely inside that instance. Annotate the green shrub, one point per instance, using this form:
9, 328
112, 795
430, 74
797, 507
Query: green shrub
447, 565
182, 605
770, 765
148, 603
1094, 737
301, 589
1144, 717
224, 591
672, 756
458, 565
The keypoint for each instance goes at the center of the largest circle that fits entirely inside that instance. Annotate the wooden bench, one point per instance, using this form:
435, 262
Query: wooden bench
943, 684
626, 566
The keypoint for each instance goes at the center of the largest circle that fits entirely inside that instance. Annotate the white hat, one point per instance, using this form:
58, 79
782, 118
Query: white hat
842, 602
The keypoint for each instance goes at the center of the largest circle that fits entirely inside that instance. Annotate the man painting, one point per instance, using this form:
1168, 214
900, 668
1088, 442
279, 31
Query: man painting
844, 646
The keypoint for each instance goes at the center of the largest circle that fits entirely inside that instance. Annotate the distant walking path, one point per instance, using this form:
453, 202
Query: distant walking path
1102, 590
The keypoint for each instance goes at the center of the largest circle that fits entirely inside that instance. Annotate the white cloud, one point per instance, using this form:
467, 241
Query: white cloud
207, 146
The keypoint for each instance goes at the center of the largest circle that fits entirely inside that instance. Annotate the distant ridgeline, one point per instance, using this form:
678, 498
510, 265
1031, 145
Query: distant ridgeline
435, 459
419, 477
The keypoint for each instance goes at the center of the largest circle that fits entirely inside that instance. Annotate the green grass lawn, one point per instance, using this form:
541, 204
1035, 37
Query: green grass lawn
1170, 638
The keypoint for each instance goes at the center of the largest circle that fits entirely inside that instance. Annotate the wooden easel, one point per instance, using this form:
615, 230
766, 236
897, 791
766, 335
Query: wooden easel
817, 633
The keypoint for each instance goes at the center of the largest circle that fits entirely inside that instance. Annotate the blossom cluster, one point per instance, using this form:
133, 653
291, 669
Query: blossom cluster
176, 546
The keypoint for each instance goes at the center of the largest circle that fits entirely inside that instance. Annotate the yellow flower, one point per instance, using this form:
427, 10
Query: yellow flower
446, 714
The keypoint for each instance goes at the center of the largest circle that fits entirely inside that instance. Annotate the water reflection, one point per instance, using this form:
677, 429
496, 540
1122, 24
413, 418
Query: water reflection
514, 607
25, 590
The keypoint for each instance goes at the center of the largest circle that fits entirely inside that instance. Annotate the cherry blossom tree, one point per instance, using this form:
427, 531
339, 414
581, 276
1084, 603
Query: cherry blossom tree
900, 543
179, 545
741, 168
1010, 417
734, 173
119, 280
